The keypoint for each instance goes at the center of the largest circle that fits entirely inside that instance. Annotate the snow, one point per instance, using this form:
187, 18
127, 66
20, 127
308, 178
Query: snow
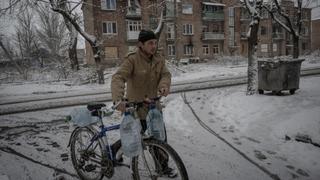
263, 127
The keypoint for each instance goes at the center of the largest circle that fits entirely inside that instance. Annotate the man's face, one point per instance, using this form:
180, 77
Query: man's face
149, 47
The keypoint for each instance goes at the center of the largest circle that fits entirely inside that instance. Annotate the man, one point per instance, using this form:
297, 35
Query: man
145, 74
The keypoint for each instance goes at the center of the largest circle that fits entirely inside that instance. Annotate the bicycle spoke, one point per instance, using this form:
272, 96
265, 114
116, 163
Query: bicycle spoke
158, 161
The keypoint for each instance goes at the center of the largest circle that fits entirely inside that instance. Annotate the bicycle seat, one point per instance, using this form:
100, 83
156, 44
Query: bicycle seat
95, 106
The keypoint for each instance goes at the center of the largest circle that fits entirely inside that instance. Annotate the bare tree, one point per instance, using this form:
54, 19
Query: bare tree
292, 23
26, 38
51, 31
254, 7
73, 35
95, 45
9, 54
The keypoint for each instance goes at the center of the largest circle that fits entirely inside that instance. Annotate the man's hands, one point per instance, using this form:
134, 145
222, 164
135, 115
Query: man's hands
121, 106
164, 91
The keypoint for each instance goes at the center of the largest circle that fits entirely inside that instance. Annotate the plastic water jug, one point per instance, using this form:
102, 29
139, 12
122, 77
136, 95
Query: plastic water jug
130, 136
155, 124
82, 117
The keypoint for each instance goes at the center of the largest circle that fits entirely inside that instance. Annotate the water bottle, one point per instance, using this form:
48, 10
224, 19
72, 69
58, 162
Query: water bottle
82, 117
155, 124
130, 136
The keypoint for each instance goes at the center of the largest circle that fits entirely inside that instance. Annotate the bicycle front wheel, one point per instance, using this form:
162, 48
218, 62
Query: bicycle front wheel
158, 161
86, 158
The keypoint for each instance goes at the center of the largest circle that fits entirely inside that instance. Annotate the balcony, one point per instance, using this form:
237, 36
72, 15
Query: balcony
218, 15
133, 13
212, 36
132, 35
243, 35
245, 18
277, 35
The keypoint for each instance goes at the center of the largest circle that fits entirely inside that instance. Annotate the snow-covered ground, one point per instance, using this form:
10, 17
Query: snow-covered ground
263, 127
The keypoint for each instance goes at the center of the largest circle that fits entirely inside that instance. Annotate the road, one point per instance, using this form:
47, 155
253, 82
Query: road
62, 100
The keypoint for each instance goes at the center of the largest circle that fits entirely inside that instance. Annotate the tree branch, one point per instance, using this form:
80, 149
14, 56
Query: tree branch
91, 39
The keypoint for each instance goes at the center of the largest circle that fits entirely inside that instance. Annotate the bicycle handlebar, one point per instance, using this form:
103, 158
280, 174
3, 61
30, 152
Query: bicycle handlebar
133, 104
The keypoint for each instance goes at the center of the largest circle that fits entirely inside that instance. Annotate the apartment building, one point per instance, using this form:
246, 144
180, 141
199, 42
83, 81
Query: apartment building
315, 24
193, 28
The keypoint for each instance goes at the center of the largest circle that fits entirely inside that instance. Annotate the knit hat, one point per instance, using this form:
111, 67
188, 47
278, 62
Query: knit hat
146, 35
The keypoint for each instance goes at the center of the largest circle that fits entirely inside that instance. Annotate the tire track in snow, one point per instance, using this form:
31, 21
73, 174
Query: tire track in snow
263, 169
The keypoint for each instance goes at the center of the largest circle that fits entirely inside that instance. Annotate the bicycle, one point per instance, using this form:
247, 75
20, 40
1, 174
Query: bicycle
95, 158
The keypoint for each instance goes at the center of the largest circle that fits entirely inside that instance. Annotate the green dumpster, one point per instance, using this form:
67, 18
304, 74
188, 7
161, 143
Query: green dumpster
279, 75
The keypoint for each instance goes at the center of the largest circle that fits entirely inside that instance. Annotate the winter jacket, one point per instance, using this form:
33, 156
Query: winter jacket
143, 77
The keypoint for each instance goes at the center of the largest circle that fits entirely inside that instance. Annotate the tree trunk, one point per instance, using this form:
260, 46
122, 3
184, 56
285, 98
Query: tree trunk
72, 50
252, 59
97, 59
295, 40
73, 35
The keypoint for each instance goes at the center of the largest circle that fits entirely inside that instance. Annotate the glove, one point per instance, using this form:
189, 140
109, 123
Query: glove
164, 91
120, 106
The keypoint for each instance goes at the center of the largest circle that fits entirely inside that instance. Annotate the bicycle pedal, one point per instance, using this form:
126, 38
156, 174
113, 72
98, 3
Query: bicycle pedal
169, 172
90, 167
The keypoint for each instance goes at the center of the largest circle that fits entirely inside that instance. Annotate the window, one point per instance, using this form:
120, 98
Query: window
304, 30
216, 49
304, 46
169, 9
132, 48
215, 28
134, 25
231, 36
264, 13
187, 29
188, 50
264, 47
276, 29
187, 8
205, 49
205, 28
263, 30
210, 8
111, 52
170, 31
231, 11
231, 16
171, 50
245, 14
108, 4
109, 27
153, 21
275, 47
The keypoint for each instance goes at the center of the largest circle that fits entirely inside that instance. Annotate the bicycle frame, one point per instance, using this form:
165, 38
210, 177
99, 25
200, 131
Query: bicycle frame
102, 133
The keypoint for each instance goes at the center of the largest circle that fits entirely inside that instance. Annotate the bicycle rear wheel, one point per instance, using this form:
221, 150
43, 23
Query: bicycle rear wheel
155, 161
86, 160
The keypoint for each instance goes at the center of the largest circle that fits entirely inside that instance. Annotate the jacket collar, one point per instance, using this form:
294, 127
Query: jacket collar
155, 58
